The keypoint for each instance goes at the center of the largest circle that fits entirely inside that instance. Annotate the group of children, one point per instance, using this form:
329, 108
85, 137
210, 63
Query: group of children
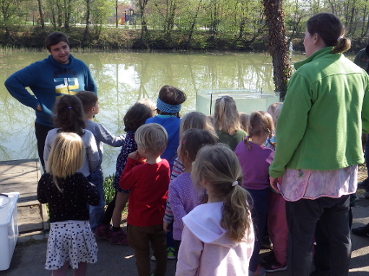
168, 168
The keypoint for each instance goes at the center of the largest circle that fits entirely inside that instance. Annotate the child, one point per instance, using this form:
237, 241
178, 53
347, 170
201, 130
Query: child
135, 117
102, 135
244, 121
168, 105
70, 242
218, 236
182, 196
227, 122
277, 221
190, 120
147, 176
70, 118
255, 159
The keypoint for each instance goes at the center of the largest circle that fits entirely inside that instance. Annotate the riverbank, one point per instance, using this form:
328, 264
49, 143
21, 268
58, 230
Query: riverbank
129, 38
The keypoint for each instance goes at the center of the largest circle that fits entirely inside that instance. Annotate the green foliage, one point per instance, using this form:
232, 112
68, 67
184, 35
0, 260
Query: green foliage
109, 189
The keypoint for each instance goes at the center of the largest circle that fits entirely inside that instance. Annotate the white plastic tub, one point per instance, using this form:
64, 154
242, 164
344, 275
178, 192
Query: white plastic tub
8, 228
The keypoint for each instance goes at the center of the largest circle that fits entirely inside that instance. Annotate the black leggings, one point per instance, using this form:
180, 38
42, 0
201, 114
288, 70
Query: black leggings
109, 212
41, 133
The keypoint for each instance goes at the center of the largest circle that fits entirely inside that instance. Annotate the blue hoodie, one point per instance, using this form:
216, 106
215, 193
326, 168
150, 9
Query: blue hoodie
49, 80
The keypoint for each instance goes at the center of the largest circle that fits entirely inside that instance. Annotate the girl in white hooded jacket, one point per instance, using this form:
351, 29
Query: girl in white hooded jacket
218, 236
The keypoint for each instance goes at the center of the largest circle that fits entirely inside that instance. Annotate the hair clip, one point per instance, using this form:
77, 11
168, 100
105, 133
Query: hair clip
235, 183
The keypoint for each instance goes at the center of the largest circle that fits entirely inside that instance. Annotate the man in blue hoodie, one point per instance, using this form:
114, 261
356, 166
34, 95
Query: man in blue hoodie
49, 79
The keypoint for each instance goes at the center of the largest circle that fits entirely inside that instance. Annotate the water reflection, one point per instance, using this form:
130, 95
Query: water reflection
122, 79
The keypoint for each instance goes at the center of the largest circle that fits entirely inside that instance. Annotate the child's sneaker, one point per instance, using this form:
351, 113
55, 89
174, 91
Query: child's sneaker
260, 271
170, 253
103, 231
118, 237
270, 258
275, 266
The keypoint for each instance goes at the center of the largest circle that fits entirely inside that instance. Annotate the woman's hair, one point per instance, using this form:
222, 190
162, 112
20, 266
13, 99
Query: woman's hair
260, 123
244, 121
66, 156
88, 99
219, 166
170, 100
197, 120
69, 114
136, 116
226, 117
194, 139
331, 30
153, 137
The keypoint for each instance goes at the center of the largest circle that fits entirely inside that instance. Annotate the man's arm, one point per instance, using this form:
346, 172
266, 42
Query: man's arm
17, 83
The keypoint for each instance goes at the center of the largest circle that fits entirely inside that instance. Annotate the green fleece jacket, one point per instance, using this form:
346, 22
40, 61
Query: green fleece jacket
325, 109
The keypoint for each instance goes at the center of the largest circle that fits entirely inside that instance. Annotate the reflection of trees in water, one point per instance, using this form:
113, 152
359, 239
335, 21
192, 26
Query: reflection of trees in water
16, 131
123, 78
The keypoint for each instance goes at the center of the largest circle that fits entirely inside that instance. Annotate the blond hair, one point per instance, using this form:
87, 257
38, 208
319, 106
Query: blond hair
153, 137
226, 117
244, 121
149, 103
196, 120
66, 156
219, 166
260, 123
274, 110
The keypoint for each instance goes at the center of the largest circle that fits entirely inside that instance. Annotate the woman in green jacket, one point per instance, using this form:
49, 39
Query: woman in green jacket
319, 144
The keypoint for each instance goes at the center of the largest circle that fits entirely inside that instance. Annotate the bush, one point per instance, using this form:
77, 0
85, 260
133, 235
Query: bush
109, 189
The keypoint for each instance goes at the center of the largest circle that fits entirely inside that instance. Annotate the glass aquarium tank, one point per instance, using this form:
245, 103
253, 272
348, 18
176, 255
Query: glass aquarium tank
247, 100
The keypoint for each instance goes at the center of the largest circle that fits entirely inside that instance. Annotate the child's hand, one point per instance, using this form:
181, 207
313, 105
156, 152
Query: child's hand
166, 226
274, 182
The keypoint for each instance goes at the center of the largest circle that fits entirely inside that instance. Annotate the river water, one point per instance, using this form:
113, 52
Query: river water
125, 77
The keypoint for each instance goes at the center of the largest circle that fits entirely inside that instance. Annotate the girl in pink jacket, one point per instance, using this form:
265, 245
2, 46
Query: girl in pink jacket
218, 236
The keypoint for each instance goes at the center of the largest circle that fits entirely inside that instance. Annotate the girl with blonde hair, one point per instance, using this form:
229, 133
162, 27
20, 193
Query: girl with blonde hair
218, 236
68, 193
227, 122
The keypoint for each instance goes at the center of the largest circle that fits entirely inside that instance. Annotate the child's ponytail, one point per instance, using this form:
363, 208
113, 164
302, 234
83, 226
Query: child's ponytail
236, 212
219, 166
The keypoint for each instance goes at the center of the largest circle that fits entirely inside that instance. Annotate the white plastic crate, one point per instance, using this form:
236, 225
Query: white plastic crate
8, 228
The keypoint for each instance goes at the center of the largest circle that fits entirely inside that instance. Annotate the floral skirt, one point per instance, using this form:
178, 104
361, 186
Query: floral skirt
71, 241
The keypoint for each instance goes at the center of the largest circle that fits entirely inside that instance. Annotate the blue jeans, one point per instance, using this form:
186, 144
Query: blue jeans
97, 212
259, 213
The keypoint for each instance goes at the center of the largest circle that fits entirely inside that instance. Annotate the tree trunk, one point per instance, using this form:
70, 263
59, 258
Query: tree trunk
277, 45
86, 34
42, 22
142, 5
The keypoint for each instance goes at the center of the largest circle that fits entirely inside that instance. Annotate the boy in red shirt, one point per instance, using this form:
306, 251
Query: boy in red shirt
148, 177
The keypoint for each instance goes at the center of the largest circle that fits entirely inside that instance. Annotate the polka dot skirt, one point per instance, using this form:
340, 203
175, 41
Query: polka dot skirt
71, 241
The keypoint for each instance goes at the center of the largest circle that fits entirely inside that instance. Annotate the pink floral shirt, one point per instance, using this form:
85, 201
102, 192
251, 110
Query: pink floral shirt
312, 184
